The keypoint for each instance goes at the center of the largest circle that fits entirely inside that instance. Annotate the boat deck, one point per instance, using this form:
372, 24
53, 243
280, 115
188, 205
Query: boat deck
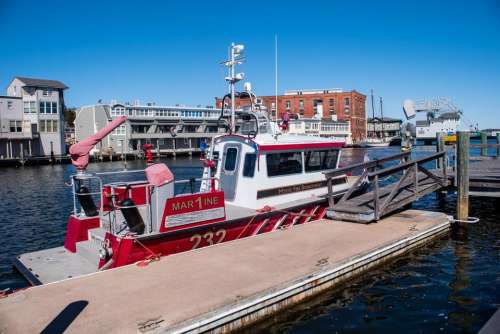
221, 287
56, 264
53, 264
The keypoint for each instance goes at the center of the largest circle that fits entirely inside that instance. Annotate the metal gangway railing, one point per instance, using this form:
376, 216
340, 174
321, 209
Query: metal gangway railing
389, 188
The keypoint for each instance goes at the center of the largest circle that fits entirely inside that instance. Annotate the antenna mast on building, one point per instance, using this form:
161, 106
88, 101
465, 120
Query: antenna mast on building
236, 58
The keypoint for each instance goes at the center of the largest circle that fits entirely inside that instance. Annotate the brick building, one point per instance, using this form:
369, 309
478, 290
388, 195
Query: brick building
333, 104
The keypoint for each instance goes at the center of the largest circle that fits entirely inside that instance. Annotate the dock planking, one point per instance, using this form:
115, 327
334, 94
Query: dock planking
222, 287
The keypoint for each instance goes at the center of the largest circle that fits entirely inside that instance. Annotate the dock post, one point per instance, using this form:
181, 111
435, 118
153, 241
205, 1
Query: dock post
462, 175
440, 146
22, 153
157, 148
484, 141
498, 142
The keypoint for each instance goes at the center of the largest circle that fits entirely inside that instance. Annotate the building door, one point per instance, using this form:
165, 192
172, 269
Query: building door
229, 170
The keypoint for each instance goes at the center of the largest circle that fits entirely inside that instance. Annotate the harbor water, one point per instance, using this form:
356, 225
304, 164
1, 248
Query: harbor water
449, 286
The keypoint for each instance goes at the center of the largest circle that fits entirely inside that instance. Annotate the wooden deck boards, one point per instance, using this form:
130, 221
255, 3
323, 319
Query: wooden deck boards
221, 287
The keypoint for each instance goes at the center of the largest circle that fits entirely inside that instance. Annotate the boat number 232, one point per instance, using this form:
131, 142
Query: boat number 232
210, 238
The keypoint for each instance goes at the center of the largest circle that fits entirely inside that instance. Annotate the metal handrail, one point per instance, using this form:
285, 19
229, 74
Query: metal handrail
121, 172
365, 165
405, 165
484, 145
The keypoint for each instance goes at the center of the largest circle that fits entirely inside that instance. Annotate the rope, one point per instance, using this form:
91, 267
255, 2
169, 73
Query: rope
469, 220
148, 259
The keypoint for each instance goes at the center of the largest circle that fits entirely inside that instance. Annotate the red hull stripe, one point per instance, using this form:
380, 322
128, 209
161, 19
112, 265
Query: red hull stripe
301, 146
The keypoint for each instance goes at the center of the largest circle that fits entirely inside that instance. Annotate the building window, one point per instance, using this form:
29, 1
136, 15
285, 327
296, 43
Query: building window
118, 111
48, 107
347, 101
301, 107
249, 165
29, 107
331, 102
9, 105
120, 131
46, 92
48, 125
284, 163
287, 105
16, 126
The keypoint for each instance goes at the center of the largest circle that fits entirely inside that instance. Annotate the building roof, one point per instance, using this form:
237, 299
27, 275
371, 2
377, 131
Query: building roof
33, 82
10, 97
385, 119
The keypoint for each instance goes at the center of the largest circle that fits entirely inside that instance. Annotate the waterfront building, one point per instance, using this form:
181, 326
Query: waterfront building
447, 122
338, 131
386, 127
322, 103
169, 129
491, 132
32, 118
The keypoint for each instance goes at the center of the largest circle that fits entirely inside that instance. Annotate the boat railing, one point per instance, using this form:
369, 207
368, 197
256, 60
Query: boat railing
109, 219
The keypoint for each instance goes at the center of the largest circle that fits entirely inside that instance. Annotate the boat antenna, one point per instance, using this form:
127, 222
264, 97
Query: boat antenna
236, 58
276, 77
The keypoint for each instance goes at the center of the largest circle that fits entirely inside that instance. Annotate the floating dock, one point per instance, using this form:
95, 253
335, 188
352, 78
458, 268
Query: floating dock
219, 288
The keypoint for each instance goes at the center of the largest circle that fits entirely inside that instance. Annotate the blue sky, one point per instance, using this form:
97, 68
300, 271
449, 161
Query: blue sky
168, 52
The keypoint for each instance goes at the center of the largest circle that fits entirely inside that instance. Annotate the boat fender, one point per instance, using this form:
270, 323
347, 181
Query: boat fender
86, 201
132, 216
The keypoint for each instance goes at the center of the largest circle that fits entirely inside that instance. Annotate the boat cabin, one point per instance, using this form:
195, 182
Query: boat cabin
272, 170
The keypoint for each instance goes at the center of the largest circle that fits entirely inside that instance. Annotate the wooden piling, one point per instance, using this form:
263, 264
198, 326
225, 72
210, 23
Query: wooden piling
498, 142
462, 172
484, 141
440, 147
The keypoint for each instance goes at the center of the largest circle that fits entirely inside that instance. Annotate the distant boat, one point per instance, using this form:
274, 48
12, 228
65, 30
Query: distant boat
377, 142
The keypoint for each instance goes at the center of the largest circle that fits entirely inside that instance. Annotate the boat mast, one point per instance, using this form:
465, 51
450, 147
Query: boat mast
382, 116
276, 77
233, 78
373, 113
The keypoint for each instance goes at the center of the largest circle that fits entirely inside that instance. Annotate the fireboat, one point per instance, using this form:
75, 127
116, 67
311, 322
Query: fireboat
256, 179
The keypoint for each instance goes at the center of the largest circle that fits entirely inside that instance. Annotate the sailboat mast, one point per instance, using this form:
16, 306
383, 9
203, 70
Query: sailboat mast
276, 77
382, 116
373, 113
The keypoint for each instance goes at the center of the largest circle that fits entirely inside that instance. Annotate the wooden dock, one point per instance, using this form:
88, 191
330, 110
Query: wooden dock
219, 288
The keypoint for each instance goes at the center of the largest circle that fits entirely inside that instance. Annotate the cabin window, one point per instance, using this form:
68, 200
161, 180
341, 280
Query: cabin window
230, 163
249, 165
321, 160
284, 163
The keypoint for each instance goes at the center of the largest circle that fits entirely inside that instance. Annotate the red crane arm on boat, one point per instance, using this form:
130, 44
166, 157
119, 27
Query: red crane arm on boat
80, 152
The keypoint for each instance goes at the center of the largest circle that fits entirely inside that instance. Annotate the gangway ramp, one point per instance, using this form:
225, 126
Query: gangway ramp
391, 188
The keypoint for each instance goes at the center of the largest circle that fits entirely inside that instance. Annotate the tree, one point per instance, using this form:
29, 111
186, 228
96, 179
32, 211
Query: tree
69, 116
